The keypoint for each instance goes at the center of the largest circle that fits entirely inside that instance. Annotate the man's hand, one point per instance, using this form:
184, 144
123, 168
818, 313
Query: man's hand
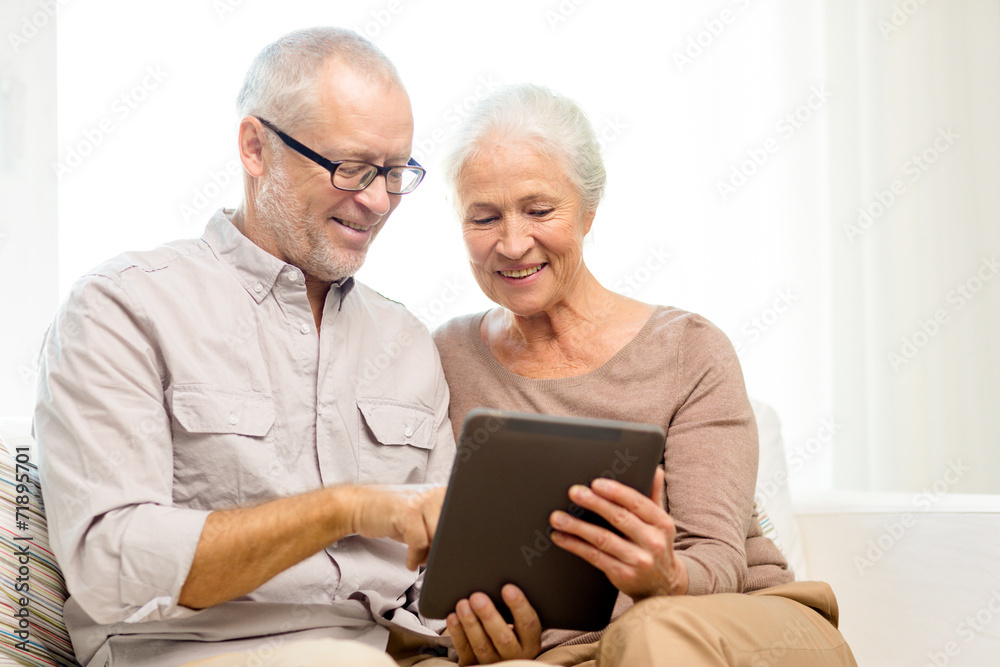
410, 518
640, 562
241, 549
482, 636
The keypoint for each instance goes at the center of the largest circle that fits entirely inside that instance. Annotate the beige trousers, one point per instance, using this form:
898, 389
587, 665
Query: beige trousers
784, 626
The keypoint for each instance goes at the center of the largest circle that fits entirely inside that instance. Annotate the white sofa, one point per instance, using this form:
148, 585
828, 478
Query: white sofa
917, 577
917, 585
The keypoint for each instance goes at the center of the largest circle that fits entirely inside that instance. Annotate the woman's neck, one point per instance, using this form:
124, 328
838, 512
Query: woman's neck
574, 336
568, 320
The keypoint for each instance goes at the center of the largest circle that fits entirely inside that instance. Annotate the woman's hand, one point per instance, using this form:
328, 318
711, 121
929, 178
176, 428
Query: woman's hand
482, 636
640, 562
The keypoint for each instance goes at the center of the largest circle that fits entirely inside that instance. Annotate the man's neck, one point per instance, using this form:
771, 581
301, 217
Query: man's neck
317, 290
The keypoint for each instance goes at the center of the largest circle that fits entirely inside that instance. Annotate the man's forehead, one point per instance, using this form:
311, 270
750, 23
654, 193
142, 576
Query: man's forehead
341, 80
362, 115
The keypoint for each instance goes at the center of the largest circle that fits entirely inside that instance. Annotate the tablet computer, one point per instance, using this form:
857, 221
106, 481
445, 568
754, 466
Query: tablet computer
512, 470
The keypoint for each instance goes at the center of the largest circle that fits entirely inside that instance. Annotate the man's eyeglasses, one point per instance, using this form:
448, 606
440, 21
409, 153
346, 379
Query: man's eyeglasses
354, 175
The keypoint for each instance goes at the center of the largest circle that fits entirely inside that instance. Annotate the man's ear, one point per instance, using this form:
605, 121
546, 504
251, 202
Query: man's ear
252, 146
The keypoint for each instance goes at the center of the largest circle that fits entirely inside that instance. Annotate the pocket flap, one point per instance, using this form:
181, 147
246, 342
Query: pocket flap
395, 423
206, 409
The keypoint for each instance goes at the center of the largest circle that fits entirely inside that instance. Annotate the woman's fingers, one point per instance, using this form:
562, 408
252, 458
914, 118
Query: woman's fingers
640, 561
610, 565
618, 495
597, 537
481, 635
527, 626
503, 641
466, 656
476, 636
659, 487
640, 521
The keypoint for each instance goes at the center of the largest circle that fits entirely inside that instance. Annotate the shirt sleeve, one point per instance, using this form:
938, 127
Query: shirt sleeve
711, 461
106, 459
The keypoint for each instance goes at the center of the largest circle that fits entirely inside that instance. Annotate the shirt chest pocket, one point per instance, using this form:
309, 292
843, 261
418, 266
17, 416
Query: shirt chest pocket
222, 449
395, 440
204, 409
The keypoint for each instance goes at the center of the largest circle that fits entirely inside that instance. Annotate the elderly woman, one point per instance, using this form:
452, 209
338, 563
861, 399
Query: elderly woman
704, 586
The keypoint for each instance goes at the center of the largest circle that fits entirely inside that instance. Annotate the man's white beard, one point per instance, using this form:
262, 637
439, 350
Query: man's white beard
302, 241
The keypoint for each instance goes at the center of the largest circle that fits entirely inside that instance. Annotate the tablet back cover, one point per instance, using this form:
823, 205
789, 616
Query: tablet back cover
512, 470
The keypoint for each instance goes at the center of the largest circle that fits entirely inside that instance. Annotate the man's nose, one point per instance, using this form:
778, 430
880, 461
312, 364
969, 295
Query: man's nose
374, 197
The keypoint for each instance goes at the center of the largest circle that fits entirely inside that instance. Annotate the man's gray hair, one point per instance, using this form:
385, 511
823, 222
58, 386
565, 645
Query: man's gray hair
551, 124
280, 84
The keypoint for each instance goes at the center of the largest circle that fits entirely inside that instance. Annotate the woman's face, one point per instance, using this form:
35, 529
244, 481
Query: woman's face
523, 225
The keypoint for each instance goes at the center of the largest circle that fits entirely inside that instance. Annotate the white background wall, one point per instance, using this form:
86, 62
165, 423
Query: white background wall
28, 205
762, 96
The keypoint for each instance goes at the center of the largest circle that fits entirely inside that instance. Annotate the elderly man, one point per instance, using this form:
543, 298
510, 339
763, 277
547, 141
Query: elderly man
210, 439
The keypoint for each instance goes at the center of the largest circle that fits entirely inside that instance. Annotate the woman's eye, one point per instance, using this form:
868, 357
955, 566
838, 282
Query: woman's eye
540, 213
484, 221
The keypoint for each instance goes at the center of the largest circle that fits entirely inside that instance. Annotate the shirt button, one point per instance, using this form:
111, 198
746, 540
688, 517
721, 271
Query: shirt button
407, 431
293, 277
319, 409
232, 419
304, 328
258, 288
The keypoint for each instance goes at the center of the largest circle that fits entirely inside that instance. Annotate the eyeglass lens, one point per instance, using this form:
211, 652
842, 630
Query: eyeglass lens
357, 176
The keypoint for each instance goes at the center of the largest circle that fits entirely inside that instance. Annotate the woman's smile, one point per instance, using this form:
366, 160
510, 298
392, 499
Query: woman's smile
520, 274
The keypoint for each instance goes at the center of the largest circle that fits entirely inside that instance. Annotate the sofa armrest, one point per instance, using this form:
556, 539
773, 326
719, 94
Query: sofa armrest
917, 576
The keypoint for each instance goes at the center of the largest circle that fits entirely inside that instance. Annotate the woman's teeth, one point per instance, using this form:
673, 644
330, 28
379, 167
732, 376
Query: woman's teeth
522, 273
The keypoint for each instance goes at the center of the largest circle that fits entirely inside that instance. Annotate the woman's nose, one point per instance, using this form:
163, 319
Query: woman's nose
515, 240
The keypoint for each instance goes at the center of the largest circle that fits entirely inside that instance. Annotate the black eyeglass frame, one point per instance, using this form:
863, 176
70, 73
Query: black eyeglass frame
332, 165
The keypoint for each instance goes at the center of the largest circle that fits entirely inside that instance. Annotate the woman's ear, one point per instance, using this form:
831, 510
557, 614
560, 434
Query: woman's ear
588, 220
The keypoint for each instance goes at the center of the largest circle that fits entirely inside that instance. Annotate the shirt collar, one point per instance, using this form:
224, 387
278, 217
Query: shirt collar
256, 269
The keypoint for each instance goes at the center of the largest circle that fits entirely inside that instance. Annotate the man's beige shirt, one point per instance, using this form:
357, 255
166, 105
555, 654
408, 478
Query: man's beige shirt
191, 378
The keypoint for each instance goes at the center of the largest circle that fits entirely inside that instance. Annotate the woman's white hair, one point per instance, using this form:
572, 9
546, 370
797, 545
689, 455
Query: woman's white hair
280, 84
553, 125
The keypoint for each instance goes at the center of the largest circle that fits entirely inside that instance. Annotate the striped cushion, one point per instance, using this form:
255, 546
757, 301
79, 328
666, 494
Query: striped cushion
24, 536
766, 525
